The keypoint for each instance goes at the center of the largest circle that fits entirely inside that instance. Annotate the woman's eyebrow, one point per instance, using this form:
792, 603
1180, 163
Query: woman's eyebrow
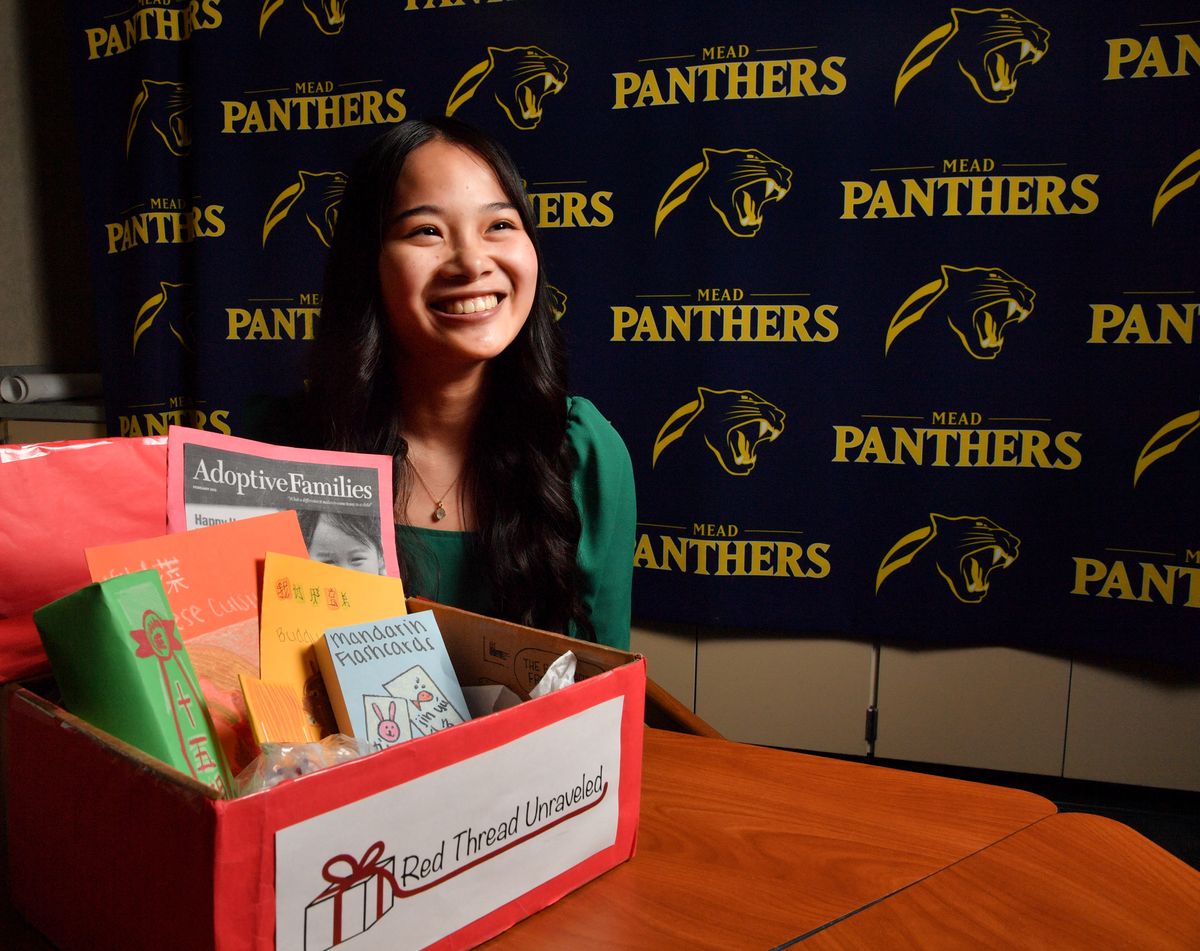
490, 208
411, 212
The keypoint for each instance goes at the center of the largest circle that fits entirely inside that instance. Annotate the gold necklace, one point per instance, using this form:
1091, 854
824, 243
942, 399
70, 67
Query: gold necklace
439, 510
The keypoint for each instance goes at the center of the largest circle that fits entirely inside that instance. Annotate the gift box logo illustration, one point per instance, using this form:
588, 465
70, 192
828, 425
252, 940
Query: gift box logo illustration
360, 892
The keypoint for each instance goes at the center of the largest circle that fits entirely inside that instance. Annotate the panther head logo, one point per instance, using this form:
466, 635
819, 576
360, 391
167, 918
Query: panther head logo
165, 105
174, 307
1166, 441
518, 78
1183, 176
558, 302
739, 184
317, 196
733, 423
988, 45
966, 550
979, 303
328, 15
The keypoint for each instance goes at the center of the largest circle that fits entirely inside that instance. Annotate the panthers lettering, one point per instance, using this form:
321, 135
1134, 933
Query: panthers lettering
725, 323
958, 447
571, 209
730, 81
1144, 323
308, 112
157, 424
972, 195
169, 24
1155, 57
725, 558
1137, 580
410, 5
274, 323
170, 221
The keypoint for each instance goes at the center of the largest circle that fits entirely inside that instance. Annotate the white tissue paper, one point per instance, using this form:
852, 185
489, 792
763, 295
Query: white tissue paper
558, 675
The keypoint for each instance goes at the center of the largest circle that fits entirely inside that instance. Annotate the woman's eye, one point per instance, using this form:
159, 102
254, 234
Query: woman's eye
428, 231
503, 226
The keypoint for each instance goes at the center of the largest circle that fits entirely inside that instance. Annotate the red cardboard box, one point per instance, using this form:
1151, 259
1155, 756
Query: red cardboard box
443, 841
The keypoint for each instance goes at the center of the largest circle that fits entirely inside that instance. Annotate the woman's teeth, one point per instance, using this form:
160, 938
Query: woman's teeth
470, 305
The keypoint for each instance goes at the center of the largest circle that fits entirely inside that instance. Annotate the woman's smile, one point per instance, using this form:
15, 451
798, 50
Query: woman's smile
459, 307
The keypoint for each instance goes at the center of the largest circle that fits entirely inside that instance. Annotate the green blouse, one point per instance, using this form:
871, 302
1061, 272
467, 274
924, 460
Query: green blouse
447, 569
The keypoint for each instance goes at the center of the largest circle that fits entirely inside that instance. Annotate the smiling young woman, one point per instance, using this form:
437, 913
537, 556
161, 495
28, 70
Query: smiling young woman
437, 346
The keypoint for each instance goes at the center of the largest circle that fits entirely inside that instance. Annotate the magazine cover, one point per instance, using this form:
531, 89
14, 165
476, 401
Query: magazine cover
342, 499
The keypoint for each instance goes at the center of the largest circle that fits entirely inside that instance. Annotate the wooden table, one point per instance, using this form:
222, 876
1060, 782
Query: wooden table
1070, 881
746, 847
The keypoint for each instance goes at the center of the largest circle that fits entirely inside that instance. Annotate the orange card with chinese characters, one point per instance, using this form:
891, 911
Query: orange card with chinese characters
210, 574
300, 599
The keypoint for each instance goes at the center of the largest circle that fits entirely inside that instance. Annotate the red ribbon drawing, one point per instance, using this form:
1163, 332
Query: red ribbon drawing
369, 866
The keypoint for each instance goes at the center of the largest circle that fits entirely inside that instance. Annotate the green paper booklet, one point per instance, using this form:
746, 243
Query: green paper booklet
121, 665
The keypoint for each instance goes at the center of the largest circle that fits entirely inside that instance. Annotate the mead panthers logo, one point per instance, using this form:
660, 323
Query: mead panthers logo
558, 302
1183, 176
316, 196
172, 307
517, 79
732, 423
1166, 441
328, 15
738, 183
965, 550
979, 303
988, 45
164, 106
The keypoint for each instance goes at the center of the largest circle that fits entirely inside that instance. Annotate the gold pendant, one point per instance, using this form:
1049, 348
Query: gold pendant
439, 514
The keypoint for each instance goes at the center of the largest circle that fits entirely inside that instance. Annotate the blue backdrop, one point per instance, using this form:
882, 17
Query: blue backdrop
895, 305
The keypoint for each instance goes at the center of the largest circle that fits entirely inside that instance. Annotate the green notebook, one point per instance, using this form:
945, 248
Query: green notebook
121, 666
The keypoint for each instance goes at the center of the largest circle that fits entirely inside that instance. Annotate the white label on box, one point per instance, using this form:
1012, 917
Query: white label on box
409, 865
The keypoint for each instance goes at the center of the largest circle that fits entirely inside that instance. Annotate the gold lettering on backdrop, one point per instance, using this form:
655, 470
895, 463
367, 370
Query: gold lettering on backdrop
1138, 578
177, 411
313, 110
1164, 323
971, 195
411, 5
571, 209
721, 550
960, 439
168, 221
716, 318
169, 24
275, 320
725, 73
1154, 57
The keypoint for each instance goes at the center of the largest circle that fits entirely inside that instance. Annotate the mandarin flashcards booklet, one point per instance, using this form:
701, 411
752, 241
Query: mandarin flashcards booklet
391, 680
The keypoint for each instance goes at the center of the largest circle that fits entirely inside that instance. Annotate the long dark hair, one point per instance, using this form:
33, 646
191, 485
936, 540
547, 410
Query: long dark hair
518, 470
